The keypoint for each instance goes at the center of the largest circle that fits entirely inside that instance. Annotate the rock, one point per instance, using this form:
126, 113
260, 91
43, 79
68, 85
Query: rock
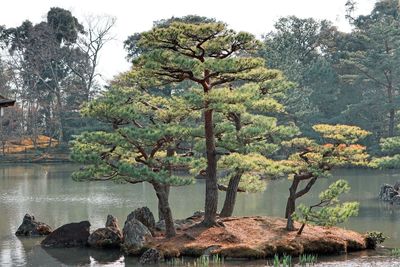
135, 235
150, 256
395, 200
30, 227
145, 216
69, 235
112, 222
105, 238
397, 186
387, 192
108, 237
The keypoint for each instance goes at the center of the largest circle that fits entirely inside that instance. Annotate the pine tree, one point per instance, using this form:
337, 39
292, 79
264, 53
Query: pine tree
247, 137
142, 144
329, 211
312, 160
210, 56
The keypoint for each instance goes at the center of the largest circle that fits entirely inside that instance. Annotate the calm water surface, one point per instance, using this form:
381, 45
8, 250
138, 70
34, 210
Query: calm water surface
48, 192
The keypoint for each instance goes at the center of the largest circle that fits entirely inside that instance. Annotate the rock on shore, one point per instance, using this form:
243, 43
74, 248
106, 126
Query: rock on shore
31, 227
135, 235
108, 237
390, 193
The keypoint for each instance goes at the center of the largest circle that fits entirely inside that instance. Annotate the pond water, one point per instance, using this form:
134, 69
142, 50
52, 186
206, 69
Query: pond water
48, 192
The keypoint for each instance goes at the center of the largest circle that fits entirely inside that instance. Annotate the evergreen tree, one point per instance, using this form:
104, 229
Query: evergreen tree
142, 144
391, 147
247, 138
330, 211
312, 160
372, 60
210, 56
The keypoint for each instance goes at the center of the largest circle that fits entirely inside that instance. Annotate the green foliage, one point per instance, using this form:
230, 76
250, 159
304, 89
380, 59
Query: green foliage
329, 211
223, 74
376, 237
319, 159
344, 134
144, 127
285, 261
391, 147
308, 259
395, 252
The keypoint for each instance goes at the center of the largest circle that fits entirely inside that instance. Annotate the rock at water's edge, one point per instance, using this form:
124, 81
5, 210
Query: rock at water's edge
30, 227
387, 192
105, 238
135, 237
150, 256
69, 235
108, 237
145, 216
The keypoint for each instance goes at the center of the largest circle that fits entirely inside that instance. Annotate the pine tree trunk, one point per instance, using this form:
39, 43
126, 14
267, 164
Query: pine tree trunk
160, 209
290, 208
230, 198
211, 202
163, 204
211, 181
291, 204
391, 122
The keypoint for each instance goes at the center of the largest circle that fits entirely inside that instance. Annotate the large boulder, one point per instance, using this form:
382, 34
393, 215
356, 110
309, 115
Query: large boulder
135, 237
30, 227
150, 256
69, 235
108, 237
145, 216
387, 192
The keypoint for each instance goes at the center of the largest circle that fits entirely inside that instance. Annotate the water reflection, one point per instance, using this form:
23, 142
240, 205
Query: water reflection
48, 192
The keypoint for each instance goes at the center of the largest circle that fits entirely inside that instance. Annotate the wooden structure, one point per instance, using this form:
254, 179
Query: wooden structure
4, 102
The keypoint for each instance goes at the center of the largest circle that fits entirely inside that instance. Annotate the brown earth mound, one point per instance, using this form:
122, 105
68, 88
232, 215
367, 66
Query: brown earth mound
258, 237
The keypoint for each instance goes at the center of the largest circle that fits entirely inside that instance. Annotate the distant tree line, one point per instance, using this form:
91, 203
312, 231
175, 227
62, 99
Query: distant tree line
351, 78
50, 68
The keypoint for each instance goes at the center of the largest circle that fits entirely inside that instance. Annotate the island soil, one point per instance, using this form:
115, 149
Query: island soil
257, 237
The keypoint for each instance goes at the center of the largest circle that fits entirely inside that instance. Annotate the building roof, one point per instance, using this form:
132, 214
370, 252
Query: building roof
4, 102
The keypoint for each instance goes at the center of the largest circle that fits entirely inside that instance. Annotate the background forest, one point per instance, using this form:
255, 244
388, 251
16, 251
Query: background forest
337, 77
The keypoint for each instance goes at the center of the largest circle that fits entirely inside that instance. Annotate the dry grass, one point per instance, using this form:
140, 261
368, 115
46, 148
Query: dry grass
258, 237
27, 144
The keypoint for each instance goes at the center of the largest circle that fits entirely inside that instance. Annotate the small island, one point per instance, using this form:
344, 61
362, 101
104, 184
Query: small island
206, 119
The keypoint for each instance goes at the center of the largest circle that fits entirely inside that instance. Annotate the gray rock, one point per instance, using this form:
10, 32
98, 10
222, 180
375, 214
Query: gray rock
135, 236
395, 200
30, 227
150, 256
145, 216
387, 192
69, 235
397, 186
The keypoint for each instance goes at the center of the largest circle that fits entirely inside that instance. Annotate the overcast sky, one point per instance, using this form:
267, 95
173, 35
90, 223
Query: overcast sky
255, 16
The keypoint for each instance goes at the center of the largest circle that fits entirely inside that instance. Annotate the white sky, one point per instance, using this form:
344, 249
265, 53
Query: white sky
255, 16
